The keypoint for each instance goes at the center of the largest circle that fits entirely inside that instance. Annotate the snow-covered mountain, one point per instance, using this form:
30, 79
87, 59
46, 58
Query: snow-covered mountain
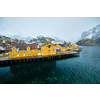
19, 37
55, 38
93, 34
38, 38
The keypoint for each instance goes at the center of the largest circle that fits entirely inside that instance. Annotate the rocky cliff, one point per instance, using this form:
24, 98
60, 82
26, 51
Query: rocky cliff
87, 42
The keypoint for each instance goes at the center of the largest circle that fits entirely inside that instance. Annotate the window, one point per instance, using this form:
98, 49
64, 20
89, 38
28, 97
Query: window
53, 49
24, 51
42, 49
49, 50
33, 50
18, 51
52, 46
49, 46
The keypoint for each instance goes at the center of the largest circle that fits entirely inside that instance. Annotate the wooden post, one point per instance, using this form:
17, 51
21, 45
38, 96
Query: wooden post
6, 62
15, 61
27, 60
20, 60
2, 62
23, 60
34, 59
10, 61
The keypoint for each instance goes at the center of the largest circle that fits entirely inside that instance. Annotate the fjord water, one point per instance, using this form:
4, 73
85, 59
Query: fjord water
84, 69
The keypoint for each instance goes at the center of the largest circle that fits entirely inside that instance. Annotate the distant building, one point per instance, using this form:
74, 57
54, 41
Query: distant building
8, 48
1, 48
3, 41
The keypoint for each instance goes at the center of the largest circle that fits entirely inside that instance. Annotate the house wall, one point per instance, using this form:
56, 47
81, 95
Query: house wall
48, 51
66, 48
70, 47
62, 48
58, 46
35, 52
23, 53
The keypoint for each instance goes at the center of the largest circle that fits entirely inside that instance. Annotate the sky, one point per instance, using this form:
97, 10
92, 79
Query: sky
65, 28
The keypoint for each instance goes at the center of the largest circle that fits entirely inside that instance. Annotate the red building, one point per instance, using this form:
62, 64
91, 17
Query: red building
8, 48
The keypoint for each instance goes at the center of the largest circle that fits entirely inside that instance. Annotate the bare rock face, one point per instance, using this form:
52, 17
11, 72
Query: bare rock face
87, 42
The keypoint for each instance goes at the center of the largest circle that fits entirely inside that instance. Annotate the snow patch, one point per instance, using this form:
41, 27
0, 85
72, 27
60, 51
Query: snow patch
90, 36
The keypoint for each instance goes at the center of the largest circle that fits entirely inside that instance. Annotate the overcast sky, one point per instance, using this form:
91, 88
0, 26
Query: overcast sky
65, 28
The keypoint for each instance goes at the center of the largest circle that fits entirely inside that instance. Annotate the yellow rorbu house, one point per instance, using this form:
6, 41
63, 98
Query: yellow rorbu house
64, 47
23, 50
60, 47
48, 49
74, 46
45, 49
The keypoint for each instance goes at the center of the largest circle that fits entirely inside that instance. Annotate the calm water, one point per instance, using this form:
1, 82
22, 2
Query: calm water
84, 69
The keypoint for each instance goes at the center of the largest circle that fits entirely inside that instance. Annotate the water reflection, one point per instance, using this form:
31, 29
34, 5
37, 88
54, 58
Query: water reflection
33, 72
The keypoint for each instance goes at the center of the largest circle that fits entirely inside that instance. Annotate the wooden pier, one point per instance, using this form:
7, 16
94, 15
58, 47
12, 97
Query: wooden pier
59, 55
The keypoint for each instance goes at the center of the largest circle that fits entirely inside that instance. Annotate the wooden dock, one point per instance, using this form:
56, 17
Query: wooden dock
59, 55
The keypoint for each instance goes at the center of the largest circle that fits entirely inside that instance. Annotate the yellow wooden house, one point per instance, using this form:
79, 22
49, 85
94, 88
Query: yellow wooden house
61, 47
23, 53
70, 47
74, 46
66, 46
47, 49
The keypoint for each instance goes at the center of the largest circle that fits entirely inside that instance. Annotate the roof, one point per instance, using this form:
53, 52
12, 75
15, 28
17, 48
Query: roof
24, 46
66, 44
62, 45
44, 44
8, 47
54, 44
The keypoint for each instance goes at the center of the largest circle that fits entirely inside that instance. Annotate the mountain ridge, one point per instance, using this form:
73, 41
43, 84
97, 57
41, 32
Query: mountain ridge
93, 34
